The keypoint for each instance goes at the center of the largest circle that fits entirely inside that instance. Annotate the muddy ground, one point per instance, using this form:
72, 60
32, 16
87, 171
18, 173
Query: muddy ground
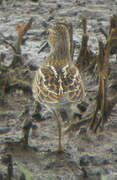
87, 156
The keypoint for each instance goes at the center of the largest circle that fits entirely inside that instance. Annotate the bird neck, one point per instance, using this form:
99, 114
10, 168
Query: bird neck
62, 52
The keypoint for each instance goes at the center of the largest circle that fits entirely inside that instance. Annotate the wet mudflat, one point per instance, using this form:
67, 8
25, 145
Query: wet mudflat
87, 155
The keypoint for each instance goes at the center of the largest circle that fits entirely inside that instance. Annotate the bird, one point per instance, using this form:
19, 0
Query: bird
57, 83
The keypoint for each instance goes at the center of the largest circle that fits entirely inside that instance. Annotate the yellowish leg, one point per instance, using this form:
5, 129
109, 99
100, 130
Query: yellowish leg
59, 131
57, 115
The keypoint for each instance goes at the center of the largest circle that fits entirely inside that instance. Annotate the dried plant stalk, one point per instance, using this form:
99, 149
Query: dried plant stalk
101, 99
113, 30
86, 56
14, 76
21, 31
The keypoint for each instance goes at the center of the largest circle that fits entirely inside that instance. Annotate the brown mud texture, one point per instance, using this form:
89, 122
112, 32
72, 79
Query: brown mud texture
28, 139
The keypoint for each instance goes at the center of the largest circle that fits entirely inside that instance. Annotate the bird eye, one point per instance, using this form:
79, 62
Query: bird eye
51, 31
48, 32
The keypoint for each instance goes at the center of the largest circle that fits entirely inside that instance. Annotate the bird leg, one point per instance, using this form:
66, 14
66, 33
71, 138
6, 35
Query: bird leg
57, 115
59, 131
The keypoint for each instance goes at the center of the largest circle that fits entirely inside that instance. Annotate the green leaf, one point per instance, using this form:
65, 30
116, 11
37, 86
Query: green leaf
25, 171
103, 177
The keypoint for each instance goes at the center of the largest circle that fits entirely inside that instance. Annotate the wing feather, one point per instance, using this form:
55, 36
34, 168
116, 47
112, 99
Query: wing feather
53, 84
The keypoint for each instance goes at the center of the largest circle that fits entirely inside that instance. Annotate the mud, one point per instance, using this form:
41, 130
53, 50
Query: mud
87, 156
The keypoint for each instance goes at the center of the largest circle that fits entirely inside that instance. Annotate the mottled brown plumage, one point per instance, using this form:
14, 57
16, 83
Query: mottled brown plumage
58, 84
57, 81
